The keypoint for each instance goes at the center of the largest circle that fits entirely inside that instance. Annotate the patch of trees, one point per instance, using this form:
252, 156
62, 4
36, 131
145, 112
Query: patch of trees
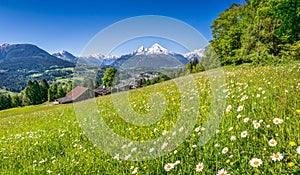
35, 93
194, 66
142, 82
16, 80
108, 77
259, 32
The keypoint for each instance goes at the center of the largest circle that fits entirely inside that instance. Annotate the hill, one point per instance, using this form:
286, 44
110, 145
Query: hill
22, 62
262, 105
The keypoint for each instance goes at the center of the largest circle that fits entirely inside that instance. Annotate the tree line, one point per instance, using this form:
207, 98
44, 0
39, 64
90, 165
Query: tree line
40, 92
35, 93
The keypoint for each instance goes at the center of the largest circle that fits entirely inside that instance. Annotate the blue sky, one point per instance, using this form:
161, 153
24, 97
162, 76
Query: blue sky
69, 25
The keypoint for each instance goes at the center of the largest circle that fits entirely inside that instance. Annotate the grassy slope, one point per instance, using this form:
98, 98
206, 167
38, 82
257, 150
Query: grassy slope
41, 139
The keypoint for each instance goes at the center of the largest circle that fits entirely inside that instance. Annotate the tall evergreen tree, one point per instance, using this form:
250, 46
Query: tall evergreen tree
5, 101
108, 77
36, 93
44, 90
60, 91
16, 100
52, 92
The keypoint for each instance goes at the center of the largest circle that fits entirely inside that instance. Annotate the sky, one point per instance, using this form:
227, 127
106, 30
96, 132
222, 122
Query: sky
70, 25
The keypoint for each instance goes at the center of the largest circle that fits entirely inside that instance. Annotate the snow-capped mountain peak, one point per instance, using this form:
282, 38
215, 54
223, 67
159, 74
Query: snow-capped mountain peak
4, 45
141, 50
198, 53
158, 49
155, 49
65, 55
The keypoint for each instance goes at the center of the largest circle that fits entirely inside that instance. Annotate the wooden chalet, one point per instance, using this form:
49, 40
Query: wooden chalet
77, 94
100, 91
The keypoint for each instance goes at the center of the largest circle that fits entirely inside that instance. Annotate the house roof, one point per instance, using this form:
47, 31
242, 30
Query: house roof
75, 93
101, 90
64, 100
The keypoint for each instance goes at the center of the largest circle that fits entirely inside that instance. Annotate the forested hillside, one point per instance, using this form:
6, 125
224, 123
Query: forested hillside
260, 32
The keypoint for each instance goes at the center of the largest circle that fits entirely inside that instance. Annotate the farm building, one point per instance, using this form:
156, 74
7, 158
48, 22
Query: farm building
101, 91
77, 94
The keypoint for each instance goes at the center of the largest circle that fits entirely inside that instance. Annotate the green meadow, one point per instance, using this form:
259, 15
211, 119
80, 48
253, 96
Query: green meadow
258, 131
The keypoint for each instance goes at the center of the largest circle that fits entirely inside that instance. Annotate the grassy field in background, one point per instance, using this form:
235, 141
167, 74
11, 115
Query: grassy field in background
262, 105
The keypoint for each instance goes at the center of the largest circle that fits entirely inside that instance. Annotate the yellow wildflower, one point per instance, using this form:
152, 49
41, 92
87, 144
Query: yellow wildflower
292, 143
291, 164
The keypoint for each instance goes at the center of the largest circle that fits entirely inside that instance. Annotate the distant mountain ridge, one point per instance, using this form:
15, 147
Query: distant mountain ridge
141, 52
20, 62
154, 57
64, 55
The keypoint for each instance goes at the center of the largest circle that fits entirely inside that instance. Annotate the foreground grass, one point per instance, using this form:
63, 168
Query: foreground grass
42, 140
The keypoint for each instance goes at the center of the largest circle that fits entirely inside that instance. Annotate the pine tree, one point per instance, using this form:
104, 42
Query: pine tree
60, 91
52, 92
16, 101
44, 90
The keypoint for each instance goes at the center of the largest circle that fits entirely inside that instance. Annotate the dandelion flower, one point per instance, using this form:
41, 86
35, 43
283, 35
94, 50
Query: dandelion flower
222, 172
255, 162
277, 121
225, 150
169, 166
276, 156
272, 142
244, 134
291, 164
292, 143
199, 167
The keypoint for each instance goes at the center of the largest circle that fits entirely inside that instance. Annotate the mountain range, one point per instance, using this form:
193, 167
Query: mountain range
152, 54
22, 62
